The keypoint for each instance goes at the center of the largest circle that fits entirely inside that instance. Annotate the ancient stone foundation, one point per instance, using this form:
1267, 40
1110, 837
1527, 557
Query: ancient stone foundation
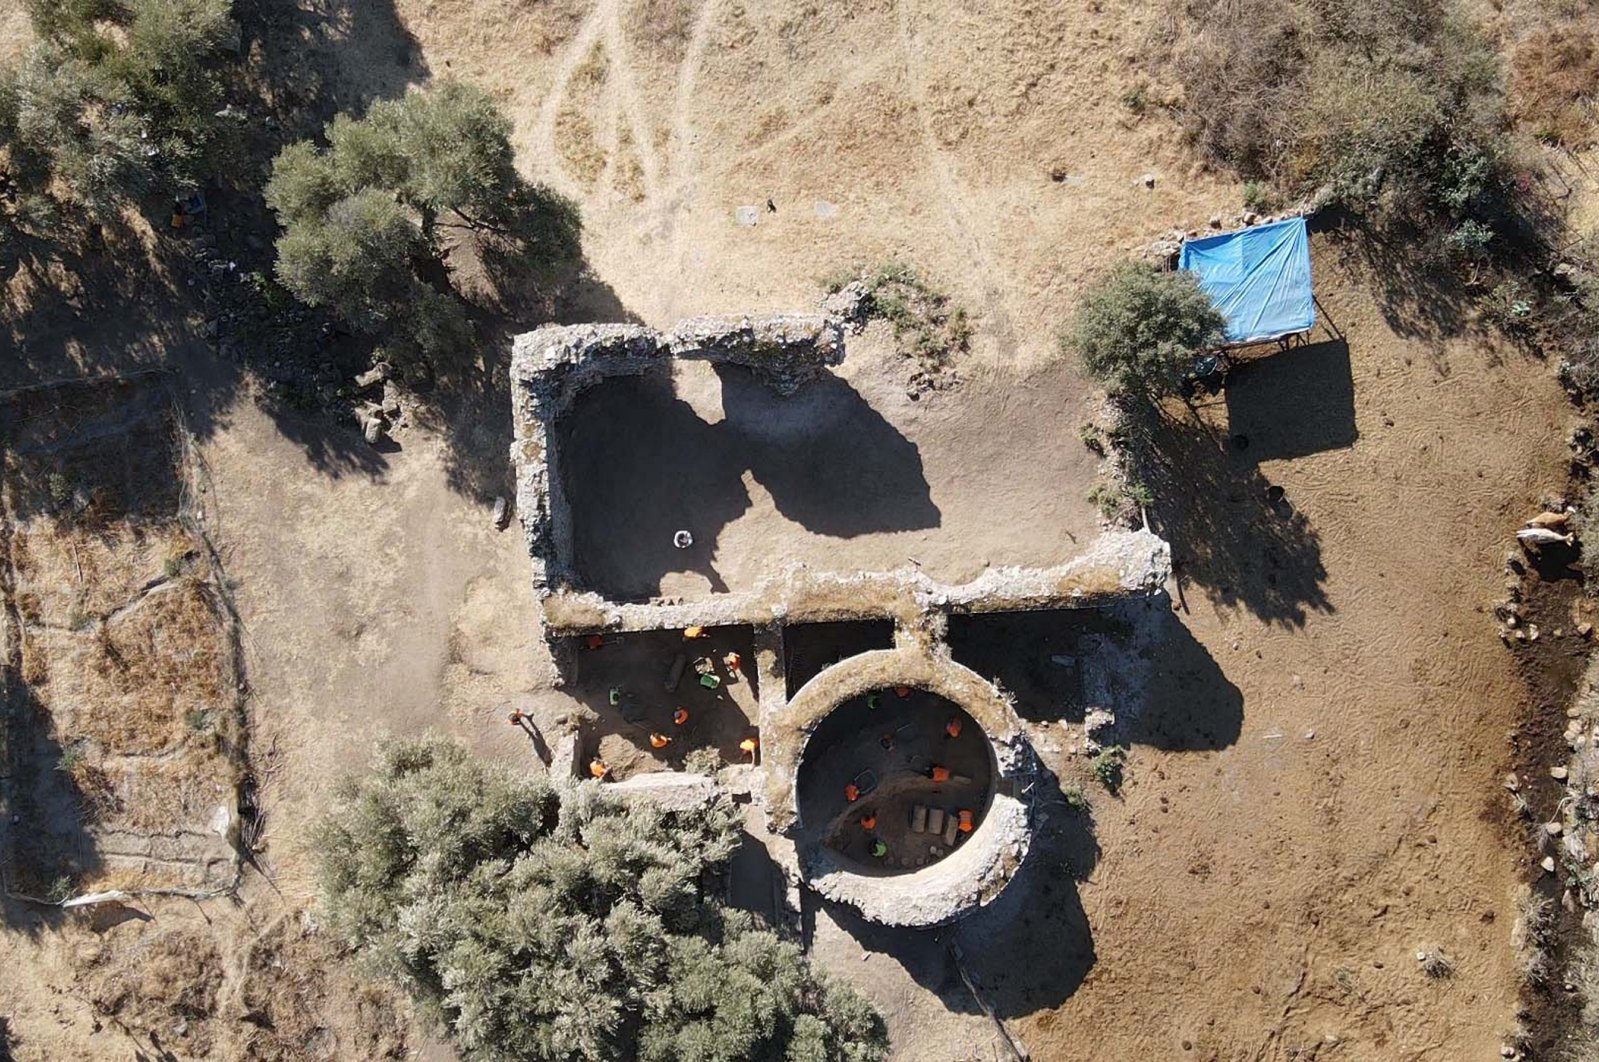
552, 365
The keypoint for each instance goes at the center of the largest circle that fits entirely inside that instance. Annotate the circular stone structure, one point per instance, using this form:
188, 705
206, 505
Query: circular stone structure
829, 736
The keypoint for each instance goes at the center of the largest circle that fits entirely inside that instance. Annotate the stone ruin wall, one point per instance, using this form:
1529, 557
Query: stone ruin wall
551, 366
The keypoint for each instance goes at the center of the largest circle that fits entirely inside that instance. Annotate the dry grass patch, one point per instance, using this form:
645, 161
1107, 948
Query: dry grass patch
164, 982
661, 28
124, 758
576, 138
1555, 83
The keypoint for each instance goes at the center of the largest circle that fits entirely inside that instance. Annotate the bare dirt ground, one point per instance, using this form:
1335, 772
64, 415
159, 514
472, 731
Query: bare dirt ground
1252, 894
853, 473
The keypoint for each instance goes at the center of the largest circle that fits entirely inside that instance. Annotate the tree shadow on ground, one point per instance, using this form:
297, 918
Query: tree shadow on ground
1418, 291
111, 298
638, 463
469, 403
48, 847
1231, 530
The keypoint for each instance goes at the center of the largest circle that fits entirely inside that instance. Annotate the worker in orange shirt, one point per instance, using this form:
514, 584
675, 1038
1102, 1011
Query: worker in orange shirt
659, 740
599, 768
852, 792
902, 692
938, 773
680, 716
965, 820
748, 747
953, 727
869, 821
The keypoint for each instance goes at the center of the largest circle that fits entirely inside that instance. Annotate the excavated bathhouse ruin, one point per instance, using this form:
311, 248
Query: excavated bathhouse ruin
933, 882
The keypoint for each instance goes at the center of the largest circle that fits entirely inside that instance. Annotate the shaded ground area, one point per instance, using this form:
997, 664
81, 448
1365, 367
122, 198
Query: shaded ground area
640, 463
119, 661
1134, 659
1034, 656
847, 474
1293, 402
1025, 953
1232, 531
639, 668
811, 648
889, 748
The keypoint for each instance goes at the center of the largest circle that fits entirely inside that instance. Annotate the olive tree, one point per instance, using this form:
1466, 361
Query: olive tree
1138, 329
545, 923
116, 102
369, 219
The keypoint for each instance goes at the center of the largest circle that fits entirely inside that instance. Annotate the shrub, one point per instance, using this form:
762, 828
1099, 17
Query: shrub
1138, 329
1259, 197
1470, 240
1382, 105
117, 101
1107, 766
1509, 305
561, 924
707, 760
369, 220
927, 325
1587, 521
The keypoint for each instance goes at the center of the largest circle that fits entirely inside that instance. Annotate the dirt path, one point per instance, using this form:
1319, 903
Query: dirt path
372, 606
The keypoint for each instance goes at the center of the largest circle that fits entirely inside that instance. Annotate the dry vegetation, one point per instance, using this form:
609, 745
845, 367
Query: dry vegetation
576, 135
1555, 81
122, 650
285, 994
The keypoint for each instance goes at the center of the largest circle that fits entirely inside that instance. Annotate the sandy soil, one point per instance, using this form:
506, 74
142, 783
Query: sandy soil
853, 473
1250, 895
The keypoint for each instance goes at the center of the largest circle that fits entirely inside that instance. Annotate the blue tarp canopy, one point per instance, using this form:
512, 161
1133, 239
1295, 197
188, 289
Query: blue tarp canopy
1259, 278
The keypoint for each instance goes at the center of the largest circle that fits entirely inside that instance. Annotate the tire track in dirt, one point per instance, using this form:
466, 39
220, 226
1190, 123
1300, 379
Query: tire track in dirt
953, 197
628, 104
571, 58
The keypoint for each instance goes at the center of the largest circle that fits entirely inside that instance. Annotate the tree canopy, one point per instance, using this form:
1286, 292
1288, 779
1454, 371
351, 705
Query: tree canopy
1138, 329
544, 923
369, 220
120, 99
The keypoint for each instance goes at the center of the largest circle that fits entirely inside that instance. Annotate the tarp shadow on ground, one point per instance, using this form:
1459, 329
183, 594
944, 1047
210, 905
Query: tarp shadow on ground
1293, 403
